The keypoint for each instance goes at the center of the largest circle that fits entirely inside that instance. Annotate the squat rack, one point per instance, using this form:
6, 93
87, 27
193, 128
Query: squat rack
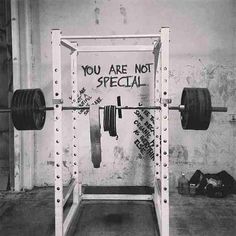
160, 49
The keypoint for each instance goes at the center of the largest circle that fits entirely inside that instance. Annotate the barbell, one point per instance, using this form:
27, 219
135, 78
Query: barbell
28, 109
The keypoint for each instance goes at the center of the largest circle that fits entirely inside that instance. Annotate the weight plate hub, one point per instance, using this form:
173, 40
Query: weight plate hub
28, 109
197, 112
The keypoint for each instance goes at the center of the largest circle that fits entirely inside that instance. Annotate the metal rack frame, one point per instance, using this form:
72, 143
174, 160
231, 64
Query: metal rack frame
160, 49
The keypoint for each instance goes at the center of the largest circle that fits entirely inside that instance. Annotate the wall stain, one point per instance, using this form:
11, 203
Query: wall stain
51, 163
226, 85
188, 78
97, 12
119, 152
179, 152
124, 14
66, 150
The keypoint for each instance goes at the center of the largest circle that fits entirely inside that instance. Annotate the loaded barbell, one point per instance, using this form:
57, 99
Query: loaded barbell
28, 108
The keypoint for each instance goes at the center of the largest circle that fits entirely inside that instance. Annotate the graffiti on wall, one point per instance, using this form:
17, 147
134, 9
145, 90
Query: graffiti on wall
144, 133
118, 76
84, 99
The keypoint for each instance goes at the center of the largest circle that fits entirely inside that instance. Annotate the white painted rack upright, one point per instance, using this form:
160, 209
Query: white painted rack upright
160, 49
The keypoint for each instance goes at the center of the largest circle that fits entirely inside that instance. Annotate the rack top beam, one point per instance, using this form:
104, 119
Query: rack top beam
116, 48
129, 36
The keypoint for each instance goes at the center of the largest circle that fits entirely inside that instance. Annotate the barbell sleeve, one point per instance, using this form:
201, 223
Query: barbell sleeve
219, 109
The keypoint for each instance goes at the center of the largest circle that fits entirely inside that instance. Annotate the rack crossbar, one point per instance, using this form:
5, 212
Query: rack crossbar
69, 217
129, 36
116, 48
124, 197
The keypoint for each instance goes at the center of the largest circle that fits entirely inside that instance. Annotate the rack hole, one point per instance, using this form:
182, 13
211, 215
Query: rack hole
165, 93
165, 188
165, 201
58, 188
165, 153
58, 200
165, 165
58, 176
56, 94
57, 165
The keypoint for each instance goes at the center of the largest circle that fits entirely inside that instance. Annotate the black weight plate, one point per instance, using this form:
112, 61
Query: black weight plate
28, 109
106, 118
197, 112
204, 98
112, 130
39, 105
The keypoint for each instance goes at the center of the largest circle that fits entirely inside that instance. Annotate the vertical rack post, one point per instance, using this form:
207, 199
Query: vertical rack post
17, 155
164, 132
57, 101
77, 188
157, 114
157, 160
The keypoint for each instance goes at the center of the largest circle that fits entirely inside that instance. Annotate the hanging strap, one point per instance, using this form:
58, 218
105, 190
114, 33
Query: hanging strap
95, 135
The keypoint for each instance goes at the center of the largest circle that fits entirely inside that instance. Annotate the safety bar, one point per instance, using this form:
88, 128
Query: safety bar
69, 191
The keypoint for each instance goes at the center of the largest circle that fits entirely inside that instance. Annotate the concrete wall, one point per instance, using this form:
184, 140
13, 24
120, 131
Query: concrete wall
202, 54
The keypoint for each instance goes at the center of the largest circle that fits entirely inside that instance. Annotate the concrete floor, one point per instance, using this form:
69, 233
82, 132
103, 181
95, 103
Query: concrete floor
32, 214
